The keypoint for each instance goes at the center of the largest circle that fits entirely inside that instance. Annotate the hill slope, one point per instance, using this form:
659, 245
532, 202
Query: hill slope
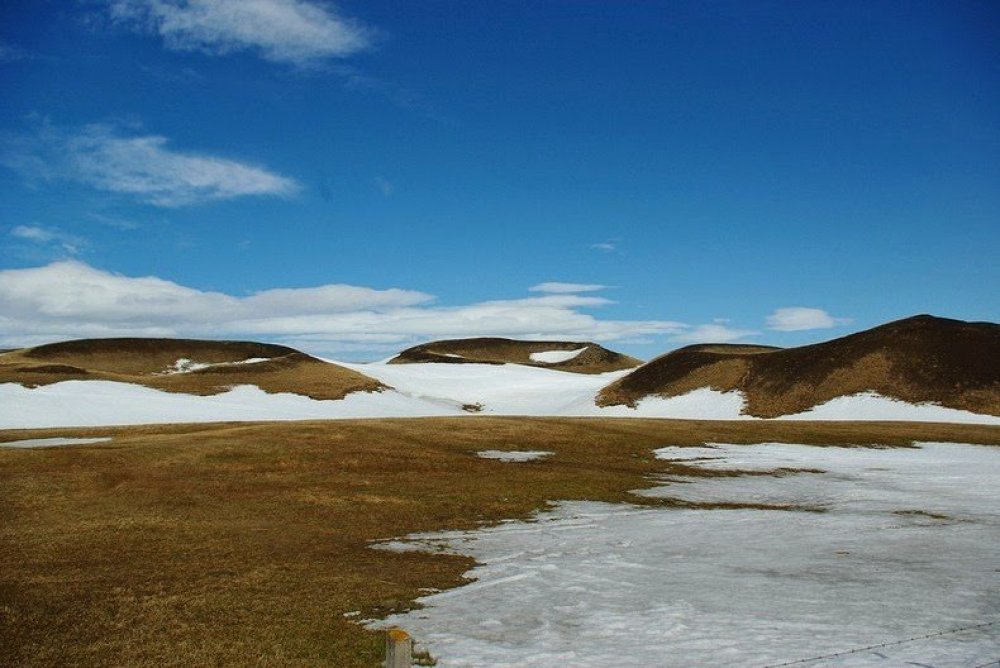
188, 366
918, 359
575, 356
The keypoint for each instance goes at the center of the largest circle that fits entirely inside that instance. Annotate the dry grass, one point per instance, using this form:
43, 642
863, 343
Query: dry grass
919, 359
143, 361
245, 544
491, 350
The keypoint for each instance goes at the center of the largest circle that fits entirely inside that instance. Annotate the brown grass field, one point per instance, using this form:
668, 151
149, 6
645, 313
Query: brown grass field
245, 544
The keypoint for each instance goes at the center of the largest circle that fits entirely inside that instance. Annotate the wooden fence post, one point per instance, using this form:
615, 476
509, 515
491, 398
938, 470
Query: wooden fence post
398, 649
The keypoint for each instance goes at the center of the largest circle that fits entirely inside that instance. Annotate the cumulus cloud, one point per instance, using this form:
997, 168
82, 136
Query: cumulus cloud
798, 318
141, 166
713, 333
556, 287
71, 299
299, 32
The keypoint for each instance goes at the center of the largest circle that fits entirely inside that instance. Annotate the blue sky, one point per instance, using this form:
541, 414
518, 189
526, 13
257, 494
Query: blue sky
358, 177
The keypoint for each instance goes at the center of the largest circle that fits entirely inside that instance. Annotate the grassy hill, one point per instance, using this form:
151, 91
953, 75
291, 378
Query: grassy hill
188, 366
592, 358
919, 359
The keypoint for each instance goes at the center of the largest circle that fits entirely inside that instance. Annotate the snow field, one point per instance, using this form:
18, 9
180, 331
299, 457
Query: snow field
592, 584
420, 390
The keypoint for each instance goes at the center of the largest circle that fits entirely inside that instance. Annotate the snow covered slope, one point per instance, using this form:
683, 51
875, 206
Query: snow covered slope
418, 390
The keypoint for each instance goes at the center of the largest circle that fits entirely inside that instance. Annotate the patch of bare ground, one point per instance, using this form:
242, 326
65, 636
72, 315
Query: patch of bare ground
152, 362
919, 359
593, 358
237, 544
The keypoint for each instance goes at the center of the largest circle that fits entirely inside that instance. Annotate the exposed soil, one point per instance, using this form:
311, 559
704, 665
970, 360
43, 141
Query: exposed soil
919, 359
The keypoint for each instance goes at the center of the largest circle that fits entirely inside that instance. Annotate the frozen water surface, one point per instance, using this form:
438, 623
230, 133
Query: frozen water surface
907, 545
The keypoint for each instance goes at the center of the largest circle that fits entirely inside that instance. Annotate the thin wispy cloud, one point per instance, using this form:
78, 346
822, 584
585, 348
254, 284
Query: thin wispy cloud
49, 238
800, 318
10, 53
297, 32
71, 299
115, 222
144, 167
384, 185
713, 333
557, 287
606, 246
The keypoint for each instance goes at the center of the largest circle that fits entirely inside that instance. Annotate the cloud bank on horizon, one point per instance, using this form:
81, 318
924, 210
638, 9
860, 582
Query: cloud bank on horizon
71, 299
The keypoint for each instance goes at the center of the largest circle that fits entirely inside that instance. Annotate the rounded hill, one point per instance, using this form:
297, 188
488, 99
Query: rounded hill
190, 366
574, 356
920, 359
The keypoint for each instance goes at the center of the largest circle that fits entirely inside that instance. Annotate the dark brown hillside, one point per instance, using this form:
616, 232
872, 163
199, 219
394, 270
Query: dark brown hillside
919, 359
149, 362
594, 359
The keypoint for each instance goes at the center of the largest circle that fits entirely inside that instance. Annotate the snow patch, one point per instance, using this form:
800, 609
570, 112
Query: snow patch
874, 406
78, 403
555, 356
52, 442
185, 365
514, 455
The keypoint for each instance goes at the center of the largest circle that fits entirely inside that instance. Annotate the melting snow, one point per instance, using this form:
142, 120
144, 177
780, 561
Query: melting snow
907, 547
873, 406
514, 455
52, 442
556, 356
185, 365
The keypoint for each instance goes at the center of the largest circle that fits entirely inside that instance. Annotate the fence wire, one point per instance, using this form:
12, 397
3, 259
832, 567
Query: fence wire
894, 643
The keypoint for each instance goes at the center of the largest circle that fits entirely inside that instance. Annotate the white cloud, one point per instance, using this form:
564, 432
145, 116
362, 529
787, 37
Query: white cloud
607, 246
32, 233
142, 166
556, 287
798, 318
300, 32
714, 333
71, 299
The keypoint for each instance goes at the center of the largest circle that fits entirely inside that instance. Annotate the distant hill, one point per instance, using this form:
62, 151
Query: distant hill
919, 359
189, 366
575, 356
